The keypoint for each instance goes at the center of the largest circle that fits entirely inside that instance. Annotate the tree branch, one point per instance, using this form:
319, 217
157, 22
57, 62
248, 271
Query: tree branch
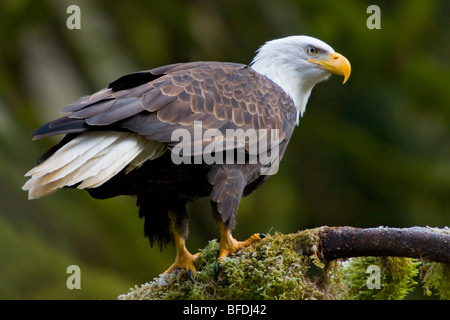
416, 242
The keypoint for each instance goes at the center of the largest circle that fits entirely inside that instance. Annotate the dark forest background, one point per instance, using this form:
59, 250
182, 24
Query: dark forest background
373, 152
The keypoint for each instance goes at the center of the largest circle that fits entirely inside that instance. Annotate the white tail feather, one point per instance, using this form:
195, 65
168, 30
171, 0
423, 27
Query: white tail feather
91, 159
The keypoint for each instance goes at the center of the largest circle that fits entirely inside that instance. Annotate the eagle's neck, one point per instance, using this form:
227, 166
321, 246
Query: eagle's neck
294, 81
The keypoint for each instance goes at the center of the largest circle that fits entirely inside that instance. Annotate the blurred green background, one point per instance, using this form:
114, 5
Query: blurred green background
373, 152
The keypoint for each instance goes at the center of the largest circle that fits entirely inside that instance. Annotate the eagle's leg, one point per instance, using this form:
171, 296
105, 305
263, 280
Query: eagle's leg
228, 245
184, 259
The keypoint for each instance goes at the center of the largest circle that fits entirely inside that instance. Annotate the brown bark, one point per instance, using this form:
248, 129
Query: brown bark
415, 242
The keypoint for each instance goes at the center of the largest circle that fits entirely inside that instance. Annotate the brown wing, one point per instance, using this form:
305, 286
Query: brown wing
154, 103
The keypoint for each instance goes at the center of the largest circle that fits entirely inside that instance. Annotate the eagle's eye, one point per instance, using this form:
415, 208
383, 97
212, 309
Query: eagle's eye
312, 51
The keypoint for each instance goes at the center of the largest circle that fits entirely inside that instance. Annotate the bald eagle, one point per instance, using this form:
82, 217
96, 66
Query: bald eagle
120, 140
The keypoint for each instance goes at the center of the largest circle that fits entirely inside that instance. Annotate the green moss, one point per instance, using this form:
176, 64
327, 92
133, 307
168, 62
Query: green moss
275, 268
395, 277
436, 279
290, 267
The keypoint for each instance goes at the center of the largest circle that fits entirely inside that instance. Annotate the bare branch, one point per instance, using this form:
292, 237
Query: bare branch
415, 242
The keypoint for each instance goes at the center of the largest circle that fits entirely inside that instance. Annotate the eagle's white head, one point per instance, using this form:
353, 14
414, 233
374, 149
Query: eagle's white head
297, 64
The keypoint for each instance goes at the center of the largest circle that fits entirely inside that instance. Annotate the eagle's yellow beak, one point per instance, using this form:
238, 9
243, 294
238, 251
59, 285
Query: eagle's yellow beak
337, 64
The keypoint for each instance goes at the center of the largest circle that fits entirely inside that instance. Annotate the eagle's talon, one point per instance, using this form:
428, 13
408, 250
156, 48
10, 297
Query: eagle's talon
217, 271
185, 263
190, 273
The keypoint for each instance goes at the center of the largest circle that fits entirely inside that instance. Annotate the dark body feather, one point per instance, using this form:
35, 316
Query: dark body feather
153, 104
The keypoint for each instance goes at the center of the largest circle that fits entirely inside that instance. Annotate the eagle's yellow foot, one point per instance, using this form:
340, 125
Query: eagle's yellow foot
228, 245
184, 259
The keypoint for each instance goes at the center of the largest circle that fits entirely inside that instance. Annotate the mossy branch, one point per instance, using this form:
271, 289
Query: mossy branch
314, 264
